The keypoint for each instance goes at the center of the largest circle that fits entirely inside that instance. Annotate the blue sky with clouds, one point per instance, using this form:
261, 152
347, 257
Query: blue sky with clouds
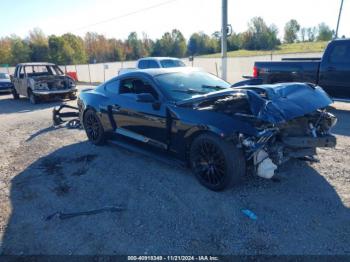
58, 17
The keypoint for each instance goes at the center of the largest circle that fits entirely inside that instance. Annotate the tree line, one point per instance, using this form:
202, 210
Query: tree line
96, 48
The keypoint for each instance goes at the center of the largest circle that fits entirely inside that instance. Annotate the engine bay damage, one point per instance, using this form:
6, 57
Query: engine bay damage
290, 121
52, 82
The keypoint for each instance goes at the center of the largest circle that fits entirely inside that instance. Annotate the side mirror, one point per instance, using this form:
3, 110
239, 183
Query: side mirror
145, 98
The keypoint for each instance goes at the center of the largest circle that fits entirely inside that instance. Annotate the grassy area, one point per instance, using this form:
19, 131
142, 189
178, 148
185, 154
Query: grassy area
308, 47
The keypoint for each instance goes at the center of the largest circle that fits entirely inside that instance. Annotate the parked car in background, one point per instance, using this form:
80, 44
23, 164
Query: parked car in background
42, 80
155, 62
5, 83
331, 72
218, 130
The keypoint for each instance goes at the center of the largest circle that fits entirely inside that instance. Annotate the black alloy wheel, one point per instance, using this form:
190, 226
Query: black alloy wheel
93, 128
217, 164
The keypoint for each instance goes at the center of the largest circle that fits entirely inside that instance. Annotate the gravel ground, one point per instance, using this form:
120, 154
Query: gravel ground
159, 208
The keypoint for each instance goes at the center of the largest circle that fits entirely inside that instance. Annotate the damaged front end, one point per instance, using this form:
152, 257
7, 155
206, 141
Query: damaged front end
297, 138
289, 126
286, 121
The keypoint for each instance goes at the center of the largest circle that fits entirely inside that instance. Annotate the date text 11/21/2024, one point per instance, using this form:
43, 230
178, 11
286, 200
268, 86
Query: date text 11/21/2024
173, 258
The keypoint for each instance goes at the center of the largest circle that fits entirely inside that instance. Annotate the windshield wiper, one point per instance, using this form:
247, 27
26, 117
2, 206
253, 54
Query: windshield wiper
188, 91
213, 87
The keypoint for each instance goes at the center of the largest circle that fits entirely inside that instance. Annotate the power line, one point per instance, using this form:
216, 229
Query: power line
126, 15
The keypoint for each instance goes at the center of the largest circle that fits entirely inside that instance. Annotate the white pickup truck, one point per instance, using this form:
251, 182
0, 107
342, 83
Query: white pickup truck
154, 62
42, 80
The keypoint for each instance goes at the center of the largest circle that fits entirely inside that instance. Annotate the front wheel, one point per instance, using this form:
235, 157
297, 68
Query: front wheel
15, 94
32, 98
217, 164
93, 128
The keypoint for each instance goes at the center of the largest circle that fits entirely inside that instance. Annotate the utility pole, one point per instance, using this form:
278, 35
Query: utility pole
340, 10
224, 41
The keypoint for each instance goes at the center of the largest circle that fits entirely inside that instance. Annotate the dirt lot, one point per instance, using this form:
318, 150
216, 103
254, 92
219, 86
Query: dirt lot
158, 207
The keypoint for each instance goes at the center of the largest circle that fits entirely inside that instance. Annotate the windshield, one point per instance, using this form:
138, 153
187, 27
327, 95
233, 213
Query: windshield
182, 86
4, 76
172, 63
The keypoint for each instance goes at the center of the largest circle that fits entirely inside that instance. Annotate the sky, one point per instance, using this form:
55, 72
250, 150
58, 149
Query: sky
189, 16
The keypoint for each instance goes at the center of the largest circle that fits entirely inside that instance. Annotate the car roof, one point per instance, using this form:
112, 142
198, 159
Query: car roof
36, 64
159, 58
160, 71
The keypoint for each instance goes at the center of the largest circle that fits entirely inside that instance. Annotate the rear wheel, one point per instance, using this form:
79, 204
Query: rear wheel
32, 98
217, 164
93, 128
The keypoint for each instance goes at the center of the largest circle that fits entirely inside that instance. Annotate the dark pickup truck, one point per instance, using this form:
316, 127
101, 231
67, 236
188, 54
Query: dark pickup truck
331, 72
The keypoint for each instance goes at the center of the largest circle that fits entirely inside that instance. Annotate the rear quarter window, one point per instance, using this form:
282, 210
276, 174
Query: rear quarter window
113, 86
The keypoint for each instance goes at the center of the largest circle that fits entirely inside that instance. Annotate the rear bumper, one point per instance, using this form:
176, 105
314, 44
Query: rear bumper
310, 142
56, 92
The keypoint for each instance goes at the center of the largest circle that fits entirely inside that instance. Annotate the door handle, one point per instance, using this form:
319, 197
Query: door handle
331, 68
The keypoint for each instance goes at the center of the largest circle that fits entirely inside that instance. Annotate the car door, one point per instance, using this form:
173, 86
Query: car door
335, 70
15, 79
143, 121
22, 81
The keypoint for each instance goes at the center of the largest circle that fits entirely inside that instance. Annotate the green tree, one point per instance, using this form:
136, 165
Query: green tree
20, 50
5, 51
39, 45
135, 47
233, 42
259, 36
200, 43
171, 44
303, 32
76, 43
311, 33
324, 32
291, 30
60, 51
179, 47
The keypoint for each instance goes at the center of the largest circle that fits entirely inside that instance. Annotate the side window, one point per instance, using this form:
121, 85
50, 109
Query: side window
136, 86
21, 72
153, 64
112, 86
340, 54
126, 87
143, 64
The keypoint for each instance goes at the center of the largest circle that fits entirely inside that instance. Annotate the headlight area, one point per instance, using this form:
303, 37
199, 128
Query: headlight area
72, 84
258, 152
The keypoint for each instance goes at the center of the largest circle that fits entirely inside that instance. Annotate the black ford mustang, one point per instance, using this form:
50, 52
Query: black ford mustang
220, 131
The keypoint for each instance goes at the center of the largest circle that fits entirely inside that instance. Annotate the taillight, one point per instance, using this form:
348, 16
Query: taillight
255, 72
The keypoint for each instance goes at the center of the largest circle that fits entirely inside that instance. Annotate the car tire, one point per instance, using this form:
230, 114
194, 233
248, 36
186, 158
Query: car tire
32, 98
93, 128
217, 164
15, 94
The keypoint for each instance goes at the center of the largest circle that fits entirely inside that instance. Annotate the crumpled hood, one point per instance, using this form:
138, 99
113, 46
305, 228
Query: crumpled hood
286, 101
276, 103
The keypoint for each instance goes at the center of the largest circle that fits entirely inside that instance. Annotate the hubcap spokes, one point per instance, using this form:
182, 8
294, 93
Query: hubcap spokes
92, 127
210, 163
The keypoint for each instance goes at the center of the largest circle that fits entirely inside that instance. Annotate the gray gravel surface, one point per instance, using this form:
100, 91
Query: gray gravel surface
161, 209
